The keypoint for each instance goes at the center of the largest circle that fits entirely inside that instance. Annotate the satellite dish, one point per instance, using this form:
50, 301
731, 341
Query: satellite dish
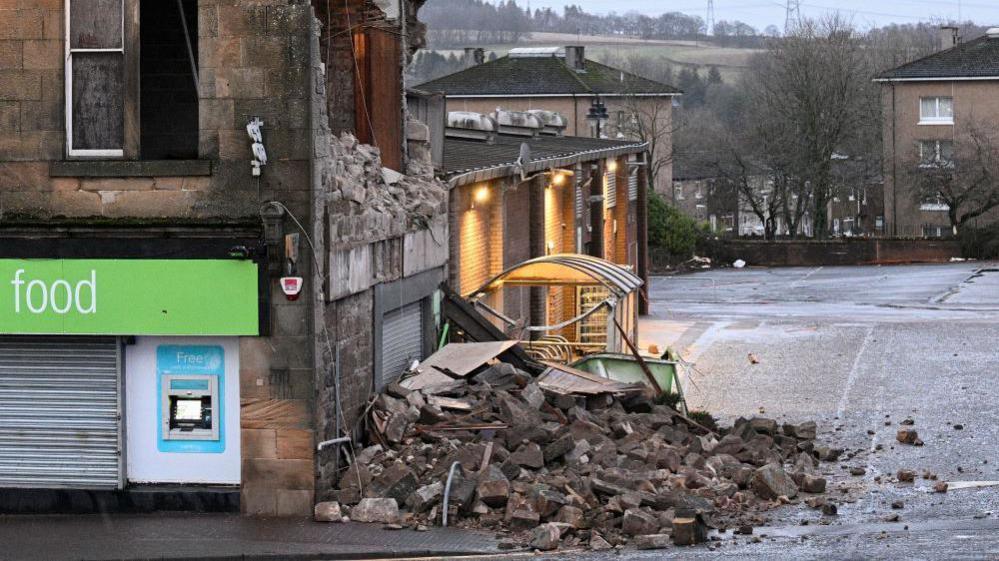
524, 159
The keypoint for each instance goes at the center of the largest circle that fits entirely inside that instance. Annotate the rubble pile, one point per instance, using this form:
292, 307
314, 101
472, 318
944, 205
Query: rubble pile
557, 469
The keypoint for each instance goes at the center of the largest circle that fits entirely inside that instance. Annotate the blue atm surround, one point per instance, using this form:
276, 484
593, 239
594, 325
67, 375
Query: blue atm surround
196, 361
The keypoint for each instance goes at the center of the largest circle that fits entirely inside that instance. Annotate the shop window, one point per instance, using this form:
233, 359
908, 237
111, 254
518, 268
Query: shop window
114, 71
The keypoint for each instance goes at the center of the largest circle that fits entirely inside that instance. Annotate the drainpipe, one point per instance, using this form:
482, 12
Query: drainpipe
894, 169
536, 244
642, 228
597, 210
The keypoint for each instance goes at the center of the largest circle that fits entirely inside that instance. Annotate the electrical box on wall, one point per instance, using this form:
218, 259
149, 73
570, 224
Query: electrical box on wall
191, 404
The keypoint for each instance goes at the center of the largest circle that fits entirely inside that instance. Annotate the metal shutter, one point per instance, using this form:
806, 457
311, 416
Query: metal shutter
402, 341
610, 190
60, 412
633, 186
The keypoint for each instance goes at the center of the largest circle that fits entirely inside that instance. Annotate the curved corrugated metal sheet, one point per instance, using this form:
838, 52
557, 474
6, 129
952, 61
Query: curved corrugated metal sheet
565, 269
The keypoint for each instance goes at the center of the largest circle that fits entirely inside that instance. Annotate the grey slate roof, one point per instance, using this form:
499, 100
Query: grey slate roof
547, 75
463, 155
977, 58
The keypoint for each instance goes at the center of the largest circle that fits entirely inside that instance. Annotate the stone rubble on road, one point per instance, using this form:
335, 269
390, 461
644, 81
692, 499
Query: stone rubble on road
553, 470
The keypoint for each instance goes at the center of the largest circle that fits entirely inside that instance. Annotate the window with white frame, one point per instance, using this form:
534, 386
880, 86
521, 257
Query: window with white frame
95, 78
936, 153
936, 111
131, 79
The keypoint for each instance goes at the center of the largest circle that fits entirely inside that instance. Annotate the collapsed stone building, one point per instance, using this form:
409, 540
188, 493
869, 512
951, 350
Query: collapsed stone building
181, 165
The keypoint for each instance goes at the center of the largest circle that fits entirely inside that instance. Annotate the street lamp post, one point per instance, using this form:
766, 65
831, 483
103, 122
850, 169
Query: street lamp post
597, 117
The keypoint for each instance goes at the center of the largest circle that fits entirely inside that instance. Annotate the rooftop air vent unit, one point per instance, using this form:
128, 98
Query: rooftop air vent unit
471, 125
993, 33
520, 123
553, 123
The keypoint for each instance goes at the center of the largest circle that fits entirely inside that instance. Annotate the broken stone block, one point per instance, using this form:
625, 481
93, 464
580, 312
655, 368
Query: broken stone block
813, 484
598, 543
940, 487
771, 481
570, 515
827, 454
763, 425
638, 522
580, 450
651, 541
533, 395
829, 509
545, 537
621, 429
729, 444
523, 518
528, 455
328, 511
559, 448
897, 505
494, 489
548, 501
906, 475
431, 415
802, 431
908, 436
395, 430
424, 498
382, 511
367, 455
396, 482
689, 530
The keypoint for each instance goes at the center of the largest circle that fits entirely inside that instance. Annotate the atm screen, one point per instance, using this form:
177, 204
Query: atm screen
188, 410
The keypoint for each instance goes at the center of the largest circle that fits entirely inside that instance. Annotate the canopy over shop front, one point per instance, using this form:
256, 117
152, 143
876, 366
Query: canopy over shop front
613, 303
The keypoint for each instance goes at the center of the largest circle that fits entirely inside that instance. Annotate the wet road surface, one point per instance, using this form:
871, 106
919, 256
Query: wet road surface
859, 350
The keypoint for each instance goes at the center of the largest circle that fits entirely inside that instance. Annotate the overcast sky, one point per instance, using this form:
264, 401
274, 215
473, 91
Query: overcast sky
760, 13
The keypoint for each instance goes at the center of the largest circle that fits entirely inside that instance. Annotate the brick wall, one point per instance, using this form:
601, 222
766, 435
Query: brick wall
813, 253
517, 247
252, 62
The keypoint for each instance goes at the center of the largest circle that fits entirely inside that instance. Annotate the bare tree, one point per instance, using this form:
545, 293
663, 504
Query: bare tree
962, 174
650, 119
734, 155
813, 86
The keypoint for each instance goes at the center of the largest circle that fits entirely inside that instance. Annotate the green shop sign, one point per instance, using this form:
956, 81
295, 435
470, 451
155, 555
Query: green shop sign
128, 297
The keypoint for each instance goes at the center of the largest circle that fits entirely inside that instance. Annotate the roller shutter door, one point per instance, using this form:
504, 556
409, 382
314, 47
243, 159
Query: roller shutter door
60, 412
402, 341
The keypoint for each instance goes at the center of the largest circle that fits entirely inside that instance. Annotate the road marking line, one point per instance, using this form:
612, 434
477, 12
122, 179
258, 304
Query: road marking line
852, 378
806, 276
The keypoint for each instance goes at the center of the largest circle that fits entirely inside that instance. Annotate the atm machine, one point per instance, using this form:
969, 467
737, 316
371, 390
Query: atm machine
191, 404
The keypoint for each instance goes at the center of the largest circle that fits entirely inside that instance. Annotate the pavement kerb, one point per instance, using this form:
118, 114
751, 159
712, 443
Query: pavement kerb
427, 555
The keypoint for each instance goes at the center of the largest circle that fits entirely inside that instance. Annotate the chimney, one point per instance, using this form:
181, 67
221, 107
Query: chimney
475, 55
575, 57
948, 37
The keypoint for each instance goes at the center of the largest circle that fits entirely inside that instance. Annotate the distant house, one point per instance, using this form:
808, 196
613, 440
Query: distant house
561, 79
927, 104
